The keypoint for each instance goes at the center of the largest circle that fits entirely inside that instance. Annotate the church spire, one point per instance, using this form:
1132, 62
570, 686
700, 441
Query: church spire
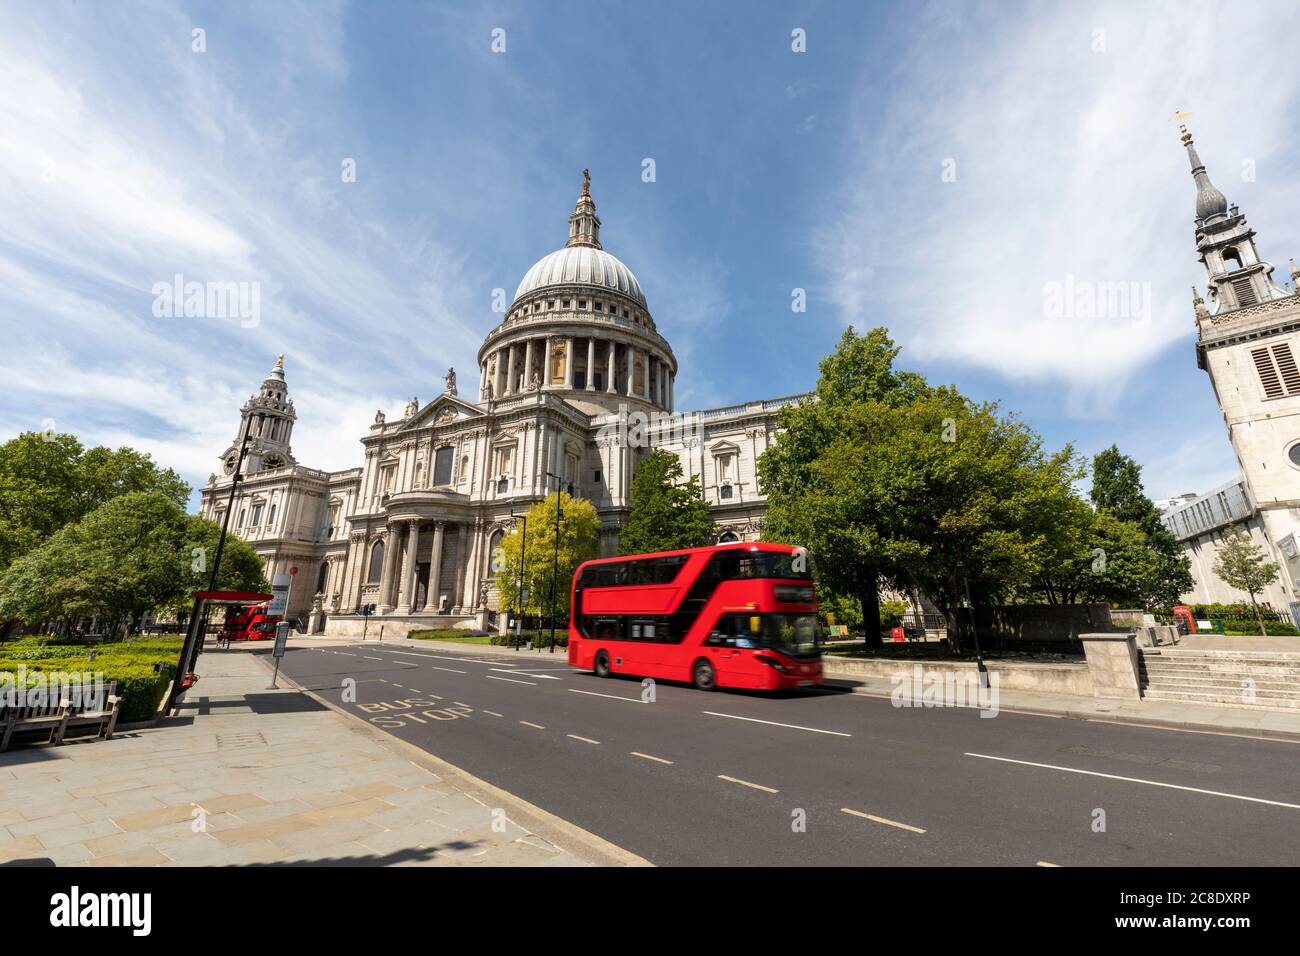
584, 224
1210, 203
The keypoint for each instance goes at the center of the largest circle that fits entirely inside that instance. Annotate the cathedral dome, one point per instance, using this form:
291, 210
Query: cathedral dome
581, 265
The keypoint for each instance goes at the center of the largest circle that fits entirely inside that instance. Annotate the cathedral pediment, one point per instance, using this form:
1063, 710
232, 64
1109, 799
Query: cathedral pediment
443, 410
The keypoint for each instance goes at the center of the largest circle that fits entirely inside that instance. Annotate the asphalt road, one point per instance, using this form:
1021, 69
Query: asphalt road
699, 778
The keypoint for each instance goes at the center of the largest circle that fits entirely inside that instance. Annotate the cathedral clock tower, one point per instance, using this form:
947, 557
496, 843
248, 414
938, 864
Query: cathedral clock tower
268, 418
1248, 340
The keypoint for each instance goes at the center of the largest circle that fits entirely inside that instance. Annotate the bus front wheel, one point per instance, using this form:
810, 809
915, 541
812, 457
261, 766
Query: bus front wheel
703, 676
602, 664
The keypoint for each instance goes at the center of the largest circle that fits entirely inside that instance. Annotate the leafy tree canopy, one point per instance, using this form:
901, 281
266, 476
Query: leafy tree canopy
49, 480
1242, 564
666, 514
133, 554
578, 541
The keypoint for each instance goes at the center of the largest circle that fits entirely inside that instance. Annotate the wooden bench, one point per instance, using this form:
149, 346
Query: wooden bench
55, 719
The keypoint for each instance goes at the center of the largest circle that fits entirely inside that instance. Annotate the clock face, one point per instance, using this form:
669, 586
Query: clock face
272, 461
231, 461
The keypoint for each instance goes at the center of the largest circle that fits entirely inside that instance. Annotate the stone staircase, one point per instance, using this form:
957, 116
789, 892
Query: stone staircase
1260, 680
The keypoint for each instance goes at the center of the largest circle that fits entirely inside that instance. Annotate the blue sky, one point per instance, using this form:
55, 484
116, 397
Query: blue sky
934, 168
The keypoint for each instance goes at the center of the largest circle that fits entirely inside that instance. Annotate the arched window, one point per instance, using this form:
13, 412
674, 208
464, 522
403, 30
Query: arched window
728, 537
1231, 259
376, 569
322, 578
442, 465
494, 554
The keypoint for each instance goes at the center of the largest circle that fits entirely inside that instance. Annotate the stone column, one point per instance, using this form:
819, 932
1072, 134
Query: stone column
391, 549
631, 371
612, 348
528, 361
462, 566
568, 362
499, 386
591, 365
510, 370
410, 579
435, 569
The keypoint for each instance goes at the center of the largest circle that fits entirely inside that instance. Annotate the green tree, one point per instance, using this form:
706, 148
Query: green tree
952, 496
796, 475
665, 514
578, 541
1117, 490
138, 552
49, 480
241, 566
1096, 557
1242, 564
121, 560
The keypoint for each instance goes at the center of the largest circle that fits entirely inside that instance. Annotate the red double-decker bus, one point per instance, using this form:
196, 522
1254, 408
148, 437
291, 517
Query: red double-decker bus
734, 615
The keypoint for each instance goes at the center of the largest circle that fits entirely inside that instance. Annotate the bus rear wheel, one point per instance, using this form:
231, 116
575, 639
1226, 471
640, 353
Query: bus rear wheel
602, 664
703, 676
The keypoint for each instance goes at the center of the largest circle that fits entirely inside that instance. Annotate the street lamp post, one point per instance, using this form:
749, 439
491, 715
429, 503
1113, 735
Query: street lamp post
523, 557
555, 571
194, 634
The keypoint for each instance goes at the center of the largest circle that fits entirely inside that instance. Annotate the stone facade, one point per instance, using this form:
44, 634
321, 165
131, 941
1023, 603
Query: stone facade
1248, 341
575, 386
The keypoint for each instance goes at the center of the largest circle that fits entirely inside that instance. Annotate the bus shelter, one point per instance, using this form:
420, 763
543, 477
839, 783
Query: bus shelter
204, 601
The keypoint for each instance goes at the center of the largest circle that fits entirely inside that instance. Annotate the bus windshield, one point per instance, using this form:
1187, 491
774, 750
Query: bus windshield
797, 635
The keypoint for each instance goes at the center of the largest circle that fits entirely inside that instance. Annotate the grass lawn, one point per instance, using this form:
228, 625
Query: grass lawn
455, 635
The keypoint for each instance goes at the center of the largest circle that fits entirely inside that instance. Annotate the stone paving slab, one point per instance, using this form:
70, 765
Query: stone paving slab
242, 785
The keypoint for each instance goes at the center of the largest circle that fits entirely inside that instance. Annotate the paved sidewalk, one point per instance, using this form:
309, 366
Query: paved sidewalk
249, 775
1155, 713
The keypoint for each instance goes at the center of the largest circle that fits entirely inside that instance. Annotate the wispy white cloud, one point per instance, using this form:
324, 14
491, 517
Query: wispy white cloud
1064, 174
127, 158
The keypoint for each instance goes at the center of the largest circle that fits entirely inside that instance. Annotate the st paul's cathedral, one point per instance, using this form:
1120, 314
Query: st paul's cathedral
576, 366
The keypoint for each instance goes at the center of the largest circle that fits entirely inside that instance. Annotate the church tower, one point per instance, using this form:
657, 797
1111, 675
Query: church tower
268, 418
1248, 340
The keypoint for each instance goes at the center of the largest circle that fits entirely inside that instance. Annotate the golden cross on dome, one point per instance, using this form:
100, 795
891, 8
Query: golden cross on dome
1178, 118
586, 183
279, 363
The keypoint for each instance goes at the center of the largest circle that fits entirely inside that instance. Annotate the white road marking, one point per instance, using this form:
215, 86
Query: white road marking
528, 724
1151, 783
449, 670
887, 822
1045, 863
592, 693
511, 680
746, 783
526, 674
587, 740
442, 657
636, 753
493, 713
369, 658
345, 653
773, 723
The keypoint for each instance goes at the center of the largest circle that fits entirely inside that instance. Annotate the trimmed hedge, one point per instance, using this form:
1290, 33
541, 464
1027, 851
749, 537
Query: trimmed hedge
130, 663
